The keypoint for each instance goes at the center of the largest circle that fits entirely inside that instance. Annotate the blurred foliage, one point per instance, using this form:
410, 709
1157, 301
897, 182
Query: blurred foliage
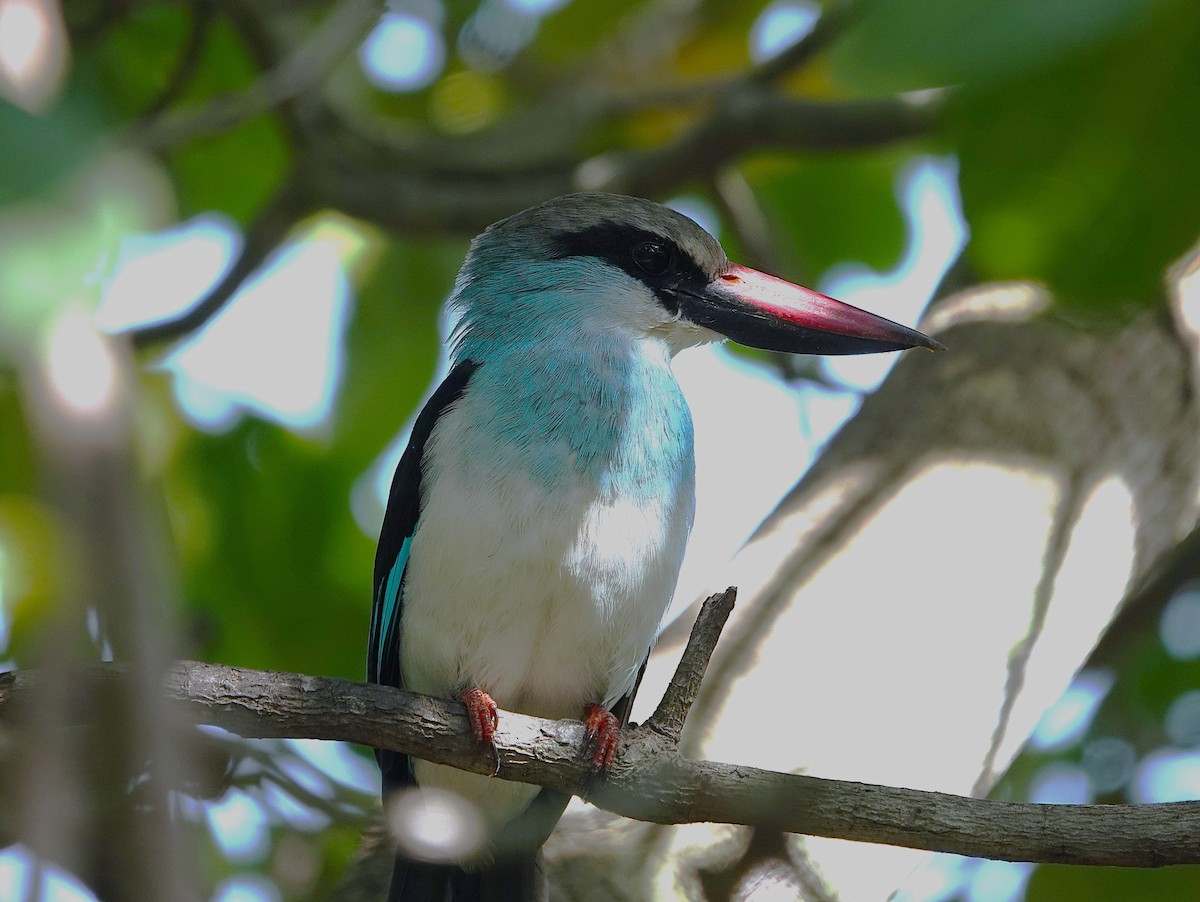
1074, 125
1071, 124
1114, 755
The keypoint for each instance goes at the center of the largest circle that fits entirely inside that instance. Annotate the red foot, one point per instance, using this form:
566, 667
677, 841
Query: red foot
481, 712
603, 737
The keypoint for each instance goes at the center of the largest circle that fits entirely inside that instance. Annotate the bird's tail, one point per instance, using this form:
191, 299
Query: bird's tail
515, 874
514, 880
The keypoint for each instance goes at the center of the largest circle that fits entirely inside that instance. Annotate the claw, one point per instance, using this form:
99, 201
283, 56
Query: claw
481, 713
603, 737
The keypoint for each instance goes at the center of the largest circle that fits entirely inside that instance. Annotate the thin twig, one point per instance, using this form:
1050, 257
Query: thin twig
203, 14
302, 71
668, 719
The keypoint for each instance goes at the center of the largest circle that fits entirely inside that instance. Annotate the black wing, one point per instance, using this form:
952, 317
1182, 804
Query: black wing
391, 556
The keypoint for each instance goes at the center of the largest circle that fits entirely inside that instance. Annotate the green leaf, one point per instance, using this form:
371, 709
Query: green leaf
1054, 883
37, 152
235, 172
577, 28
826, 210
138, 56
1083, 173
898, 45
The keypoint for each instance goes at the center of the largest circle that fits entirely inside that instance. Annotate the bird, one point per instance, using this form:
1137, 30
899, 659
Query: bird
538, 517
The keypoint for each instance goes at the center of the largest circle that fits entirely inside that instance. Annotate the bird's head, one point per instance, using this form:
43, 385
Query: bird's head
594, 264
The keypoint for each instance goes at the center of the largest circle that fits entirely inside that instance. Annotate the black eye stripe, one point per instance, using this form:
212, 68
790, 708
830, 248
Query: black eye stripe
621, 244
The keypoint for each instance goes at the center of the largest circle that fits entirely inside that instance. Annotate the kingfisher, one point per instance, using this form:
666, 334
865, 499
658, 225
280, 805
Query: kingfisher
537, 519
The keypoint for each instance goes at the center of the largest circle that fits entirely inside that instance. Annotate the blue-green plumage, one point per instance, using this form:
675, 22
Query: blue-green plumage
538, 518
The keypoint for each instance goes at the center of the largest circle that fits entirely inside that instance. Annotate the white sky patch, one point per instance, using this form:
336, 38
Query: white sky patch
275, 349
337, 760
698, 211
751, 447
161, 275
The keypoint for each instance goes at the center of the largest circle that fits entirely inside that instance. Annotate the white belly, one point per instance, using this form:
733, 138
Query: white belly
547, 602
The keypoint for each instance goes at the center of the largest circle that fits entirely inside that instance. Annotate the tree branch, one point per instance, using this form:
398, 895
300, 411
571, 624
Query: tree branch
668, 719
651, 781
417, 193
301, 72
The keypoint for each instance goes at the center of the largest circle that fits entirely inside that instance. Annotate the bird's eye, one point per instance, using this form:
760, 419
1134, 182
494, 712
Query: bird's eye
652, 257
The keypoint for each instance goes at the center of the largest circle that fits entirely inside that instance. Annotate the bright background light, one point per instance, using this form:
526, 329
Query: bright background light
781, 25
404, 52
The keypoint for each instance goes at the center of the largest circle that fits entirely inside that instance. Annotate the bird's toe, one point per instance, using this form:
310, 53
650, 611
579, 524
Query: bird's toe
603, 737
481, 712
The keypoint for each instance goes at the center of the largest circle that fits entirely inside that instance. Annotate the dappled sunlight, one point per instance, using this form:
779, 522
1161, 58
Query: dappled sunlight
434, 824
781, 25
1070, 717
82, 368
23, 876
1061, 783
1182, 722
404, 52
247, 888
1167, 775
1006, 303
239, 826
1184, 285
1179, 626
33, 53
